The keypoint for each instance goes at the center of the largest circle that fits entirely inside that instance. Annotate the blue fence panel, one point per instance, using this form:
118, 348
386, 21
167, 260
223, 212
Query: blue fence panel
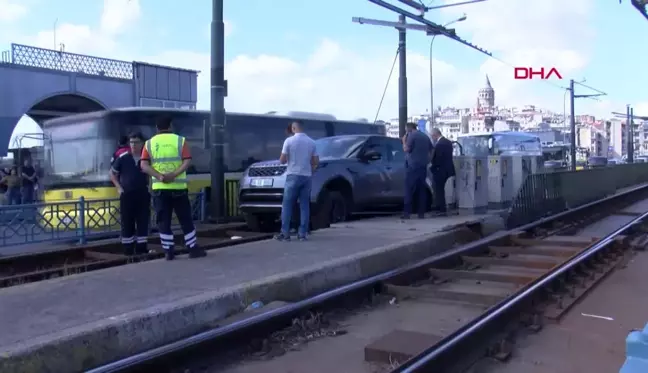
72, 221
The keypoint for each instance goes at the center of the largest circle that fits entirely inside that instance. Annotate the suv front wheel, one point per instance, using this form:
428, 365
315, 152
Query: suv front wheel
331, 207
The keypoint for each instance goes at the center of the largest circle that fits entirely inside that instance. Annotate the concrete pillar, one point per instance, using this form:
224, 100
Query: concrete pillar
7, 125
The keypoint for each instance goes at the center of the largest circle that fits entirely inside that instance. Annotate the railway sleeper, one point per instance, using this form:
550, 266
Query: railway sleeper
474, 294
544, 250
487, 274
554, 312
517, 260
567, 241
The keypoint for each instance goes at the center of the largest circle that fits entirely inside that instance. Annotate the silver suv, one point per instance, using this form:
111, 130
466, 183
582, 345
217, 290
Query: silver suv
357, 173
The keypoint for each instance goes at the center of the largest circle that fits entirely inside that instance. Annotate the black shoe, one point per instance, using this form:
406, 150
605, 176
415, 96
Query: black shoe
281, 237
141, 249
302, 238
405, 217
440, 213
169, 254
129, 250
197, 252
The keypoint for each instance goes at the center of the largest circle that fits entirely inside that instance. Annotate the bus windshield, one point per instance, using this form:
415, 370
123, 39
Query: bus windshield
500, 144
76, 154
474, 145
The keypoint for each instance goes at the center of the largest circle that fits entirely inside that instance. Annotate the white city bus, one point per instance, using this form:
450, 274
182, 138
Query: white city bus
499, 143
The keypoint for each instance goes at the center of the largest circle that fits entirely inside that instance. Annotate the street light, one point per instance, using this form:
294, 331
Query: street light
460, 19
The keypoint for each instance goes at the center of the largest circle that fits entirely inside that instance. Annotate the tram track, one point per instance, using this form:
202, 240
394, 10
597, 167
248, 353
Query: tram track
492, 287
33, 267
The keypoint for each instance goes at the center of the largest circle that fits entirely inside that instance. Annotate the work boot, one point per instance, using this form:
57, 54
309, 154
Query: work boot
141, 249
169, 254
196, 252
129, 249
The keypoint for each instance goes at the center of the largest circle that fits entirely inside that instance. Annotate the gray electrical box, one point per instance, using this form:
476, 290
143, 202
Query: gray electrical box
500, 181
472, 184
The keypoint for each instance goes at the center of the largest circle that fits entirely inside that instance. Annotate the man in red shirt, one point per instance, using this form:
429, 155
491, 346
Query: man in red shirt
122, 147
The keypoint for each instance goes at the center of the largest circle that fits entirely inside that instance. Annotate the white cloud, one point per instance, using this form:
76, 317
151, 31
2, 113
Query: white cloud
331, 79
116, 18
549, 33
118, 15
11, 11
349, 83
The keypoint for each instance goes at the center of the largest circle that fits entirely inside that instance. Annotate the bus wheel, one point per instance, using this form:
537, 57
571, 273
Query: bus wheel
260, 222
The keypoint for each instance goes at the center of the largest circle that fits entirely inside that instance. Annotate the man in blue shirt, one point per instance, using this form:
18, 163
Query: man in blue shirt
418, 149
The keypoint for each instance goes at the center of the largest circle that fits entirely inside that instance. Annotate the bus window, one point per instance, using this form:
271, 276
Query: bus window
315, 129
186, 124
253, 139
355, 128
512, 143
78, 152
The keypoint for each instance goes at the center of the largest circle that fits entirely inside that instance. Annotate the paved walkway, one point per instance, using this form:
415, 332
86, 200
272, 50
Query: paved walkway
42, 308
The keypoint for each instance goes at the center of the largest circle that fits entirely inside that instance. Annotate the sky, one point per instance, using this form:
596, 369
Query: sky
309, 56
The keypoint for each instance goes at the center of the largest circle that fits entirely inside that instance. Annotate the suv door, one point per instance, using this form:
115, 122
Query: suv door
374, 181
396, 169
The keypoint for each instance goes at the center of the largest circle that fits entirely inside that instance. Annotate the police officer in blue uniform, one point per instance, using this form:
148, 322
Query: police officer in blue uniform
134, 196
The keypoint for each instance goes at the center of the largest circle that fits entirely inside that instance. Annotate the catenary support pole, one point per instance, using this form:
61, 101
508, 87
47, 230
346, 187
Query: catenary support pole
402, 78
572, 127
217, 115
630, 133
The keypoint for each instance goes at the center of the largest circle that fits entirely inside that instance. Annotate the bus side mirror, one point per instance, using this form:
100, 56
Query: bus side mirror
490, 143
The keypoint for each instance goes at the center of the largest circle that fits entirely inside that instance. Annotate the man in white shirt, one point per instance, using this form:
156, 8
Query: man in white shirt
301, 156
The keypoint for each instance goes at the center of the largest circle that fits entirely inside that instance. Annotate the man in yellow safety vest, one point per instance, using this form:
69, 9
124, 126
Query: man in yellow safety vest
166, 158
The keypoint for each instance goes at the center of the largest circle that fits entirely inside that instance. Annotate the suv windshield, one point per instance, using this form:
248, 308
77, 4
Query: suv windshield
75, 153
338, 147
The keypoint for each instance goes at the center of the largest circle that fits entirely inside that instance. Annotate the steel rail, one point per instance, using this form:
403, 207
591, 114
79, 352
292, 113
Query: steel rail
288, 312
443, 356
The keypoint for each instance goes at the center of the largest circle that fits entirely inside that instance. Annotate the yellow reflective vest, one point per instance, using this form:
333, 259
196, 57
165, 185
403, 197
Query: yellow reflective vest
165, 152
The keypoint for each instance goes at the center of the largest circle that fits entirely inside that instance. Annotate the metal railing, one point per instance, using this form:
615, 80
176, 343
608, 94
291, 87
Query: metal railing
72, 221
27, 55
546, 194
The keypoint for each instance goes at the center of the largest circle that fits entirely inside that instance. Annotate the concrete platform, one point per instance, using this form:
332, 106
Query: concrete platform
77, 322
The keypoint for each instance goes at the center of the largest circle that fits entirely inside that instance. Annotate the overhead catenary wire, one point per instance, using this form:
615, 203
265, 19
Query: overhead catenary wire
391, 72
442, 31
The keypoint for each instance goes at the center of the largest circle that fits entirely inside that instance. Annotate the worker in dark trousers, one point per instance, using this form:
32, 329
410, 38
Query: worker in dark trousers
166, 158
134, 198
442, 169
